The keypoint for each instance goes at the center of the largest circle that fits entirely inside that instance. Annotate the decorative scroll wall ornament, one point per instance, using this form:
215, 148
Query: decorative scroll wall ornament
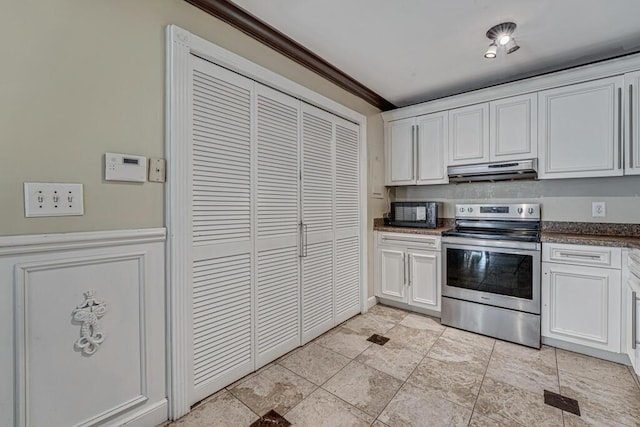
91, 335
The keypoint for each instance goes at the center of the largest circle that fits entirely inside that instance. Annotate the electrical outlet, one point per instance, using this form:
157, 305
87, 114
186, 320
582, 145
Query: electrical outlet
598, 209
53, 199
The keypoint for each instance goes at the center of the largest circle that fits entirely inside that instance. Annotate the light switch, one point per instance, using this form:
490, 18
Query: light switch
53, 199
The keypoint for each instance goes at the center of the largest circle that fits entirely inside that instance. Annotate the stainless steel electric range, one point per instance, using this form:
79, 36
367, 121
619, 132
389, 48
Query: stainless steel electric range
491, 272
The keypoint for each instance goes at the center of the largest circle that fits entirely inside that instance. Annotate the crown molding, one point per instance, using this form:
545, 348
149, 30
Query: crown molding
264, 33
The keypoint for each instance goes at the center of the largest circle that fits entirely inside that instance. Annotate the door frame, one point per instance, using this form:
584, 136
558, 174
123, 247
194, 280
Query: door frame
181, 44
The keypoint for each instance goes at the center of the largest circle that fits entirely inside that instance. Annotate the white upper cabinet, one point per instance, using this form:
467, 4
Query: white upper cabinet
513, 130
632, 121
579, 128
399, 149
432, 136
469, 135
416, 150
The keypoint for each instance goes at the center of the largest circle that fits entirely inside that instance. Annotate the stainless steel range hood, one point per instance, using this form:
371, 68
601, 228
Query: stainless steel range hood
501, 171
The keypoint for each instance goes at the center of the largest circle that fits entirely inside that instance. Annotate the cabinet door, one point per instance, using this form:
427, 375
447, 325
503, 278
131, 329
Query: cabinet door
629, 314
392, 273
431, 158
579, 130
399, 152
581, 305
469, 135
424, 279
632, 120
513, 132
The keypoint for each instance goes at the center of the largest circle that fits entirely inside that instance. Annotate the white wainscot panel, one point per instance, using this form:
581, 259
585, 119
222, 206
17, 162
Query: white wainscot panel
89, 335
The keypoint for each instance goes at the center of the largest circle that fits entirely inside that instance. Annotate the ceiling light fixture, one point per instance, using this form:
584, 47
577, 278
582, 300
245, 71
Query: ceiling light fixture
501, 35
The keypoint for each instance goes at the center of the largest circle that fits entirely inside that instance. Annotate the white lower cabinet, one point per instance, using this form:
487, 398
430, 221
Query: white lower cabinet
408, 269
580, 298
631, 307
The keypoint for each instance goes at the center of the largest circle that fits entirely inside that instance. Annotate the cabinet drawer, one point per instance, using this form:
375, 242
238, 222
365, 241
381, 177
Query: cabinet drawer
411, 240
597, 256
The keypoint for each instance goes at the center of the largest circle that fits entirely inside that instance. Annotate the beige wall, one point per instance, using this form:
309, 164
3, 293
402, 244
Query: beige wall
80, 78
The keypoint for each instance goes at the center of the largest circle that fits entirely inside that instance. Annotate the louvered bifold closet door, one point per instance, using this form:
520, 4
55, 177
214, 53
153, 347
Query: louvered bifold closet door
221, 227
347, 224
277, 213
318, 171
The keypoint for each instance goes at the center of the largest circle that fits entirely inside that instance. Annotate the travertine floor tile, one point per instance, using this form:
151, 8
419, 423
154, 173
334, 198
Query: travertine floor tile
417, 340
596, 369
469, 338
274, 388
418, 321
448, 380
497, 399
522, 367
479, 420
397, 362
414, 407
345, 341
219, 410
391, 313
600, 403
447, 349
370, 323
323, 409
364, 387
315, 363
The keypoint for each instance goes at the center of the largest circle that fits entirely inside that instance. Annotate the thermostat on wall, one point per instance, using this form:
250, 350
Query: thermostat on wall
125, 167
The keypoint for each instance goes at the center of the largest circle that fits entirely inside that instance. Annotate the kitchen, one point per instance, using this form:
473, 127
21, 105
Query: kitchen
158, 362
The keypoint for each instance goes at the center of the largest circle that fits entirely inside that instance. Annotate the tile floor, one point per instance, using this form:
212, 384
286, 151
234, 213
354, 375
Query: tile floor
425, 375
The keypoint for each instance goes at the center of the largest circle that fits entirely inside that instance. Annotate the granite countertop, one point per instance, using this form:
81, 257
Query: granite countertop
412, 230
591, 239
576, 233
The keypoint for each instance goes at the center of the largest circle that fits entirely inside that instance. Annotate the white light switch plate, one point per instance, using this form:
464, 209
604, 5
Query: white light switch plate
53, 199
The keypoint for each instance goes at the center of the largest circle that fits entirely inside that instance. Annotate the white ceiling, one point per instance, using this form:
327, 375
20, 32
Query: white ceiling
410, 51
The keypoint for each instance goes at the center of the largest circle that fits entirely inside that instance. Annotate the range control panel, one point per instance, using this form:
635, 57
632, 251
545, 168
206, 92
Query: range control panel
526, 211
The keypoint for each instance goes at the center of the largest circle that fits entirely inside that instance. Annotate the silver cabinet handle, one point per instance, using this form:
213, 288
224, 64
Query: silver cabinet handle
574, 255
416, 153
409, 267
404, 270
630, 126
634, 319
414, 133
619, 128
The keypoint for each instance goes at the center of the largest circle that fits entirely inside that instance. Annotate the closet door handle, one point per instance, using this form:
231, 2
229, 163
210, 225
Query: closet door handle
619, 128
300, 240
634, 320
630, 126
306, 240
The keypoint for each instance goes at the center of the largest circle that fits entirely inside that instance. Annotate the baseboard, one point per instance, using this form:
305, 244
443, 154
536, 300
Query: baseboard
371, 302
582, 349
152, 416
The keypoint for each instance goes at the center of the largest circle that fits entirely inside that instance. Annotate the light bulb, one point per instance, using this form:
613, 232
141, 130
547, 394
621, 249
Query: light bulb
503, 39
491, 51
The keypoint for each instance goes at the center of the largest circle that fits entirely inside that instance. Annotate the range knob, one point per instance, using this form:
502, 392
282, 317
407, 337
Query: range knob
520, 210
469, 209
461, 209
530, 211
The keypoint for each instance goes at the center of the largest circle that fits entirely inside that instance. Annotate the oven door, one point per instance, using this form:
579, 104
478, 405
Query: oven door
500, 276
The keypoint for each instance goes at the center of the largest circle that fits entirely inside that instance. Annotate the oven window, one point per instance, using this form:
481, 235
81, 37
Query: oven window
494, 272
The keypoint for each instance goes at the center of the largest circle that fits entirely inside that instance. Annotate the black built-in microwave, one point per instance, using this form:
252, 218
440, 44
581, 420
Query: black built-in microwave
415, 214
